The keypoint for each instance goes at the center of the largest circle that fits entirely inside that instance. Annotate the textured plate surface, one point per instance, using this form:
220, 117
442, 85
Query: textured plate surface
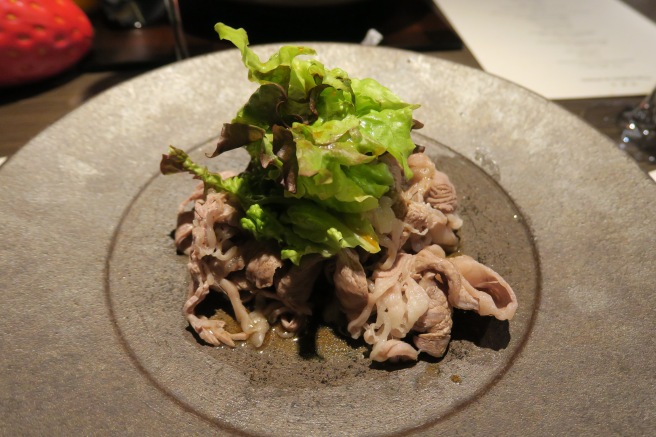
73, 362
287, 385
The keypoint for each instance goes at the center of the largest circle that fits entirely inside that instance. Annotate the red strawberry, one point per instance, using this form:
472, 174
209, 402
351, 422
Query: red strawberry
40, 38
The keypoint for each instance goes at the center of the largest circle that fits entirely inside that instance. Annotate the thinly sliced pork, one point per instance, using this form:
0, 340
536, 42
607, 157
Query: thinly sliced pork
400, 301
351, 287
492, 293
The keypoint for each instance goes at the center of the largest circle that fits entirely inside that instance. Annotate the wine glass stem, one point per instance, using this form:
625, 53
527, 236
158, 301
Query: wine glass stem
173, 10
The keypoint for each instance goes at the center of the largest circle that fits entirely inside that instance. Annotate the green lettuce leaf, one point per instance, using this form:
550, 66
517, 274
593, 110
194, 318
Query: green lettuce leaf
337, 232
372, 96
391, 127
297, 77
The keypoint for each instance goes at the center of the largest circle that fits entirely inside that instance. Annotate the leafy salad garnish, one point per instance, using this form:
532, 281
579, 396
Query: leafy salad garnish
315, 138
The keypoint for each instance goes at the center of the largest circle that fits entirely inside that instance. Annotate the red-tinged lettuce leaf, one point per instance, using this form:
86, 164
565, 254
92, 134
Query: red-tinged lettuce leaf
285, 149
174, 162
235, 135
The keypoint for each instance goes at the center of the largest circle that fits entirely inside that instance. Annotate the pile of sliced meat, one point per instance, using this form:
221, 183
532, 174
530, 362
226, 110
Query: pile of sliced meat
400, 300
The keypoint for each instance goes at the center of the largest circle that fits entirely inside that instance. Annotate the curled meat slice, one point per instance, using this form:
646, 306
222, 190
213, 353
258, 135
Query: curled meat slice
444, 236
420, 217
435, 325
435, 343
454, 221
295, 286
220, 208
438, 277
393, 350
422, 167
492, 294
432, 259
350, 281
182, 235
212, 331
185, 220
431, 203
431, 184
213, 257
442, 194
417, 303
262, 267
381, 281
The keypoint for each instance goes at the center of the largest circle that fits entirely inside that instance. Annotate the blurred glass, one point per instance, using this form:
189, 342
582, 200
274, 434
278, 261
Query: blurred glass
133, 13
638, 137
179, 38
408, 24
144, 33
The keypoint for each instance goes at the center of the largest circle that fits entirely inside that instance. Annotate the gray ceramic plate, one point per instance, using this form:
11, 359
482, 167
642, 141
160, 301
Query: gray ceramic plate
93, 341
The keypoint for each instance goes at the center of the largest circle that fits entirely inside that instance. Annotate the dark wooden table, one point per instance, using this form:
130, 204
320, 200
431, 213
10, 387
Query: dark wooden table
122, 53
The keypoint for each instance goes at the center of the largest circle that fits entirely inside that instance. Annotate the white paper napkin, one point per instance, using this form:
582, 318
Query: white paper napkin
560, 49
